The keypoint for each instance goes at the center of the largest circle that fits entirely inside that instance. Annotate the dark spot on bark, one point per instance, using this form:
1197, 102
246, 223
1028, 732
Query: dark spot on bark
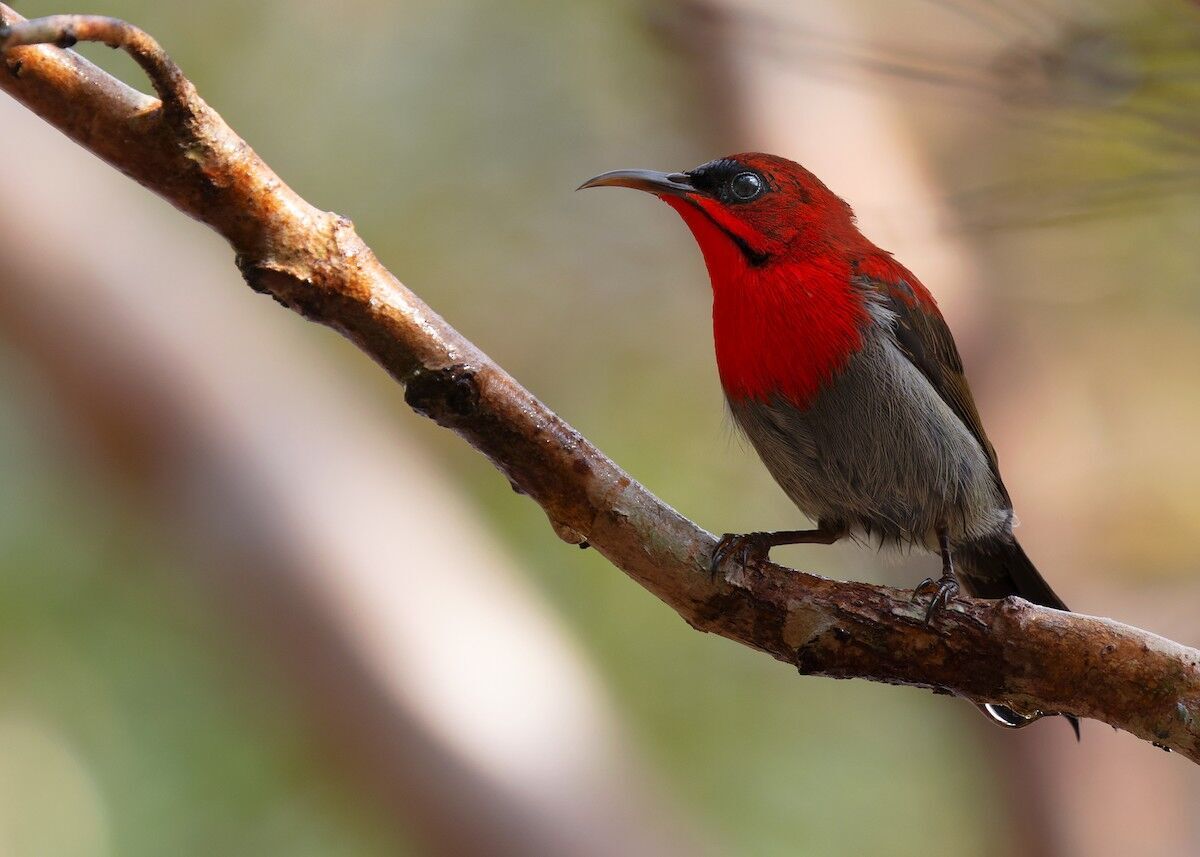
1109, 649
719, 606
443, 395
841, 634
67, 39
255, 276
463, 398
251, 272
584, 545
14, 67
809, 657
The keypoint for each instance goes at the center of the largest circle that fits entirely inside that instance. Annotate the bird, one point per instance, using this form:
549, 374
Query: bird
839, 368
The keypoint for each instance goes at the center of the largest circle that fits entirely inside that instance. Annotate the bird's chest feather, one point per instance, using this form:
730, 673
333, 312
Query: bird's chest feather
785, 332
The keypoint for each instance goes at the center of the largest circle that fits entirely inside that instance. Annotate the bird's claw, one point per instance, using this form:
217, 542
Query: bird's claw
747, 548
924, 587
944, 590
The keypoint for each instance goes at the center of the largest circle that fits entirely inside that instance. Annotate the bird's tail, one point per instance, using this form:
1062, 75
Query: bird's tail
996, 568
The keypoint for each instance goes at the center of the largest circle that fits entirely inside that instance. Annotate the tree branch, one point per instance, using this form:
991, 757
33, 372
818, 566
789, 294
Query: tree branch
312, 261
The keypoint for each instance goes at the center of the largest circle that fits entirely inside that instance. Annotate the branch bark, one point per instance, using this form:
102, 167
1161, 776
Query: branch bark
313, 262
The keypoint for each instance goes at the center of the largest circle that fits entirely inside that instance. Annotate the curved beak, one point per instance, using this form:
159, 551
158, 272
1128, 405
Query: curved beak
651, 181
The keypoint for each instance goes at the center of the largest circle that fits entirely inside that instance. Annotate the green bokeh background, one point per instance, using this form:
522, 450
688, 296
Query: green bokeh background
453, 133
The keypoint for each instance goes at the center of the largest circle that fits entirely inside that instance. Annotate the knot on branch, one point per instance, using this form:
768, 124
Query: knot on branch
447, 395
287, 287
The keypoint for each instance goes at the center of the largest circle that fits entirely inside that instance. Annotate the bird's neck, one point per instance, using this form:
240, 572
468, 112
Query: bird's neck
784, 324
784, 329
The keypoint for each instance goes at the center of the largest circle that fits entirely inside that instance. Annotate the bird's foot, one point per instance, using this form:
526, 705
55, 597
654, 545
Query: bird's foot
943, 590
746, 548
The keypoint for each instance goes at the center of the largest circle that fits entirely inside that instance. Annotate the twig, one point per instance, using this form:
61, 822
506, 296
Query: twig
1027, 657
66, 30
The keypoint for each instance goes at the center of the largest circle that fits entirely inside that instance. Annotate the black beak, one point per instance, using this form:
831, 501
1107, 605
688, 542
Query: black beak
663, 184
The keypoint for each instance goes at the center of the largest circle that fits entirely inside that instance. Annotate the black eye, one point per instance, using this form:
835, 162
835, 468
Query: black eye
745, 186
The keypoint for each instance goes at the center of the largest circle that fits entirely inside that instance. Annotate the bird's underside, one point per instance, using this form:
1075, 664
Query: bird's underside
878, 454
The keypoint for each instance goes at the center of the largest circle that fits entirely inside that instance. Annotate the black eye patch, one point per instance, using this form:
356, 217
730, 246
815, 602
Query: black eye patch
729, 181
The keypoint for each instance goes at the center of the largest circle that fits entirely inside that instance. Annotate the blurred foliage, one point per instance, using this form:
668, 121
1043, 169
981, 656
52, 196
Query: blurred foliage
1103, 118
131, 720
453, 134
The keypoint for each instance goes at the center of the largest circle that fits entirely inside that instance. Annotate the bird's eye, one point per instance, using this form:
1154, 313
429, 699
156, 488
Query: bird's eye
745, 187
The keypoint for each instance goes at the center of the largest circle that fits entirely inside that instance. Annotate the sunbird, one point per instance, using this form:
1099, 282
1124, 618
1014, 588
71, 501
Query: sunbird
837, 364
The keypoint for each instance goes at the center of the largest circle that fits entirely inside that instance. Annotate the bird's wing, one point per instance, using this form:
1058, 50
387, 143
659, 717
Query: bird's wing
924, 338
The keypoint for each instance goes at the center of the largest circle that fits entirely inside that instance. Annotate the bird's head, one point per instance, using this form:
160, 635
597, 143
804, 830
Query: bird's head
783, 254
748, 211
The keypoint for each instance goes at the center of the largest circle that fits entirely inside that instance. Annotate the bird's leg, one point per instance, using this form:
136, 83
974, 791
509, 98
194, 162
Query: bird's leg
751, 548
945, 587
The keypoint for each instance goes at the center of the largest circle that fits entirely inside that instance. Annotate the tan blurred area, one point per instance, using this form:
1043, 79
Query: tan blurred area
250, 604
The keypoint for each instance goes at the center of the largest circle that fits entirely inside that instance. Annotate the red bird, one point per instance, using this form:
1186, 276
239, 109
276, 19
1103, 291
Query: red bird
838, 366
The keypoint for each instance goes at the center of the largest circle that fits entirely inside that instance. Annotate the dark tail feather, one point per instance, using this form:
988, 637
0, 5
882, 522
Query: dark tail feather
997, 568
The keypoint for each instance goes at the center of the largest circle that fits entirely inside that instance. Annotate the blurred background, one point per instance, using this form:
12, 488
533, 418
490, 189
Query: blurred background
250, 604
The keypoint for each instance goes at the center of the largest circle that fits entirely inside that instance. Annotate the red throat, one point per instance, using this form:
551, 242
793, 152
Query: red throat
782, 328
